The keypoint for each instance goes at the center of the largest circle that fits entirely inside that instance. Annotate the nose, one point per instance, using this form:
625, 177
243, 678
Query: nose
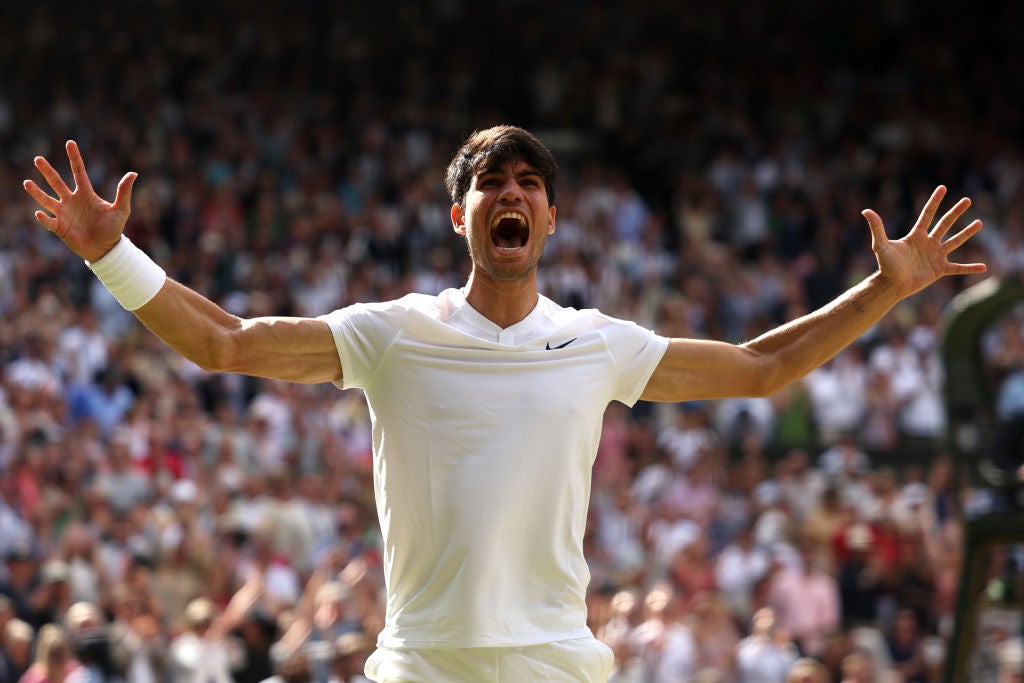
511, 191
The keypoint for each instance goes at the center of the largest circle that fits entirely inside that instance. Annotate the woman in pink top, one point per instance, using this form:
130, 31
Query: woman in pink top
53, 662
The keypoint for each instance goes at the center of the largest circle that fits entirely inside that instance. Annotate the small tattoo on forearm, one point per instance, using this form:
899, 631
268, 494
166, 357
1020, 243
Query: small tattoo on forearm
856, 305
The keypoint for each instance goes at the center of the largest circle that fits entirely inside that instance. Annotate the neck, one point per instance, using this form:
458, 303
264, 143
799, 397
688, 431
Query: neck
503, 302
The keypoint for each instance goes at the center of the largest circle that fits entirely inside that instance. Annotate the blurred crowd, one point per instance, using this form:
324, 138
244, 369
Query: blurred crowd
159, 524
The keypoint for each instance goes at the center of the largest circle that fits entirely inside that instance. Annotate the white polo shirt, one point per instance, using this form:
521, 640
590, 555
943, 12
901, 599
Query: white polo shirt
484, 439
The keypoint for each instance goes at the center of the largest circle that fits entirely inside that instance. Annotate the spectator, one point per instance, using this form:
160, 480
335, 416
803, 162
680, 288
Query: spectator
694, 492
123, 484
688, 436
53, 596
906, 647
859, 667
714, 628
32, 370
862, 576
806, 599
90, 643
54, 661
205, 652
618, 532
82, 348
22, 585
617, 633
257, 632
323, 617
844, 462
807, 670
881, 430
837, 392
281, 583
79, 549
350, 653
105, 400
664, 643
138, 646
739, 567
767, 653
801, 484
740, 418
825, 521
16, 649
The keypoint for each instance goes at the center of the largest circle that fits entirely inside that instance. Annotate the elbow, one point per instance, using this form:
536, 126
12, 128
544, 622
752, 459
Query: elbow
768, 378
221, 357
209, 364
217, 352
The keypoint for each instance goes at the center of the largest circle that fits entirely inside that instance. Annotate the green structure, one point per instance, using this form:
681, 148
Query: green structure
988, 600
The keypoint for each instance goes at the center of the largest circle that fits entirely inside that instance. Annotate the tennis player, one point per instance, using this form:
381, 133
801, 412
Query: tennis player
487, 401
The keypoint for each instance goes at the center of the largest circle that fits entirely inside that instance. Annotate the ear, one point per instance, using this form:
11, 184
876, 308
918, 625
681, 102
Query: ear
458, 219
551, 220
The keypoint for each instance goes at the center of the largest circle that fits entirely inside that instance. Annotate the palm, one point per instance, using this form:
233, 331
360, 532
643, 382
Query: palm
86, 222
87, 218
922, 256
914, 258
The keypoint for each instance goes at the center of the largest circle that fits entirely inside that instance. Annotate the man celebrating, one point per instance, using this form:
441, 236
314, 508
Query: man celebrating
487, 401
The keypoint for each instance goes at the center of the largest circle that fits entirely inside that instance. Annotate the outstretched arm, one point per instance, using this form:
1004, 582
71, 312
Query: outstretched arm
294, 349
698, 369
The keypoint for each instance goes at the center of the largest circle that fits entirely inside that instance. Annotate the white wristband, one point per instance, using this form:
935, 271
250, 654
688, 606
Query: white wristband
131, 276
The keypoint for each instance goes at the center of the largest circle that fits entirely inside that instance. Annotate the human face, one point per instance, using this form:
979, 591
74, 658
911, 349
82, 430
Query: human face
506, 220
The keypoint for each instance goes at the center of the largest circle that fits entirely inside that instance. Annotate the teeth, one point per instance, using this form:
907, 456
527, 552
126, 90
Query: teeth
508, 214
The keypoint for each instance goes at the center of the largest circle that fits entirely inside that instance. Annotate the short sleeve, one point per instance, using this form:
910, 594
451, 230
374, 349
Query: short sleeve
363, 334
636, 353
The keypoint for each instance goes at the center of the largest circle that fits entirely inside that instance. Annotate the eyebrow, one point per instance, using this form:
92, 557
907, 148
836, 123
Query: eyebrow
526, 171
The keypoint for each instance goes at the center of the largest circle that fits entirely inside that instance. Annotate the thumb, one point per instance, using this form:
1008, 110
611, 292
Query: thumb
878, 236
123, 198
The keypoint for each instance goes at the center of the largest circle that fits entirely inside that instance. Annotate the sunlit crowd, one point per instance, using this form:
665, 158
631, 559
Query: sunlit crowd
161, 524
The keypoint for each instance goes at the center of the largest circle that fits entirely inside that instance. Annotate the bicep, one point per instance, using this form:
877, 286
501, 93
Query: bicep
698, 369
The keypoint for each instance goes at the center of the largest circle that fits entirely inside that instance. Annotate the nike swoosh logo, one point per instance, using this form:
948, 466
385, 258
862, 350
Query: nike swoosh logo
549, 347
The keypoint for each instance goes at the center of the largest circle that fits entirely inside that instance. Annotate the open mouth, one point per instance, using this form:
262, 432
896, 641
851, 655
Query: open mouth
509, 231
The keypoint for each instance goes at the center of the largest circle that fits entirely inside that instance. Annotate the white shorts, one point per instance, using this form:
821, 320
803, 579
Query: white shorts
583, 660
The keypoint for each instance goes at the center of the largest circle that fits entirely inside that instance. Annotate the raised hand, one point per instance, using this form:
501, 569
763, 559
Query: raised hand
87, 223
922, 256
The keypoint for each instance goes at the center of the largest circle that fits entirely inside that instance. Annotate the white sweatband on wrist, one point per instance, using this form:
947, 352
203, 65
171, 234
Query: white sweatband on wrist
131, 276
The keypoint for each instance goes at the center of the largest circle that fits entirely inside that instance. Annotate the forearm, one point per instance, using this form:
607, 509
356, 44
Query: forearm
191, 324
697, 369
798, 347
293, 349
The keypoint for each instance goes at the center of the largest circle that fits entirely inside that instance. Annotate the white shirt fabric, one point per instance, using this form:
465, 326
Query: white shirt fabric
484, 439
